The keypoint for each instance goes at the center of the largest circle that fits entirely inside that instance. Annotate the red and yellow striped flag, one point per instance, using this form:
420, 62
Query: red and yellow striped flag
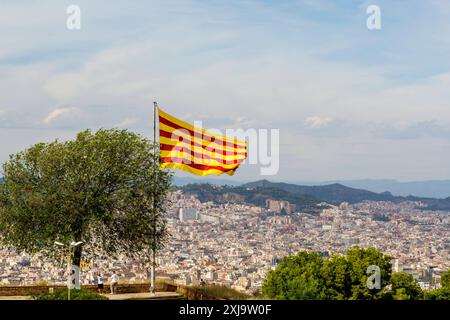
195, 150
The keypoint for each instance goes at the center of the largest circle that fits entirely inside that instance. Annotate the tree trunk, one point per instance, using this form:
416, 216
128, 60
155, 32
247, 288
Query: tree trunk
76, 260
77, 230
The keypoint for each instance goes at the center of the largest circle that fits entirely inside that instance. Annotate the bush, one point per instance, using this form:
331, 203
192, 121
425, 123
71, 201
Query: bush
438, 294
61, 294
221, 292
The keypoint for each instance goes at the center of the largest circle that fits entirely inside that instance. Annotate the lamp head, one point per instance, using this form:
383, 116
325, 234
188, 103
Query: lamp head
75, 244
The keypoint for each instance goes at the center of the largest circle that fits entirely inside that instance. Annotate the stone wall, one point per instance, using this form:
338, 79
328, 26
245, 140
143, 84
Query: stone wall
187, 292
121, 288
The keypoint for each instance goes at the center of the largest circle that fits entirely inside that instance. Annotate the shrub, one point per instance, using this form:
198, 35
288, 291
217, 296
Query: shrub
75, 294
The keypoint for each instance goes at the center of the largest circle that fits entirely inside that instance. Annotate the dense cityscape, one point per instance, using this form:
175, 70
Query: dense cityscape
236, 244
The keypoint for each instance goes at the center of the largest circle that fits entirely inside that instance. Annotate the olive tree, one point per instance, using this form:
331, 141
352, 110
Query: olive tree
102, 188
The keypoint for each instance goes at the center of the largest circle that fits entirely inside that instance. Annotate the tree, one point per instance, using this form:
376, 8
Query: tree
308, 276
360, 259
401, 294
336, 275
438, 294
445, 279
404, 287
98, 188
444, 292
296, 277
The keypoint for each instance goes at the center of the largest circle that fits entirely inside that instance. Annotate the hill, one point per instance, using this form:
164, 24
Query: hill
243, 195
429, 189
334, 193
304, 197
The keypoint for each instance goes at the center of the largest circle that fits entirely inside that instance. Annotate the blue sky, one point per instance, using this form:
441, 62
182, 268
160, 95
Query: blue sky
350, 103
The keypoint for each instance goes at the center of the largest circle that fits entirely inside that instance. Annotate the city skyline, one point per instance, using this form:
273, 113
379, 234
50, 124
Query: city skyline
236, 244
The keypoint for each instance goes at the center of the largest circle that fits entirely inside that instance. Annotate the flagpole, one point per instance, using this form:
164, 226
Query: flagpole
153, 268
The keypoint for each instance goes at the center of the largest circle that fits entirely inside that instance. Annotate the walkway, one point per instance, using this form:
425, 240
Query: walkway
145, 296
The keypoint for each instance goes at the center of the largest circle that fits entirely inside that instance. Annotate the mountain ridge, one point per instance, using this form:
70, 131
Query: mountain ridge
439, 189
302, 196
334, 192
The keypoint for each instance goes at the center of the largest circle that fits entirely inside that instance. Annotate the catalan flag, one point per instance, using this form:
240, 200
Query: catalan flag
195, 150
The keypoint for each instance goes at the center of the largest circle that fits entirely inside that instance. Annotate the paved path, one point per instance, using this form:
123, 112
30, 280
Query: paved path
145, 296
15, 298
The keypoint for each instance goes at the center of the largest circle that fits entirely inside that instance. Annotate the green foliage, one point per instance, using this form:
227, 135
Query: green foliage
336, 274
308, 276
62, 294
445, 279
296, 277
401, 294
438, 294
359, 260
97, 188
404, 287
444, 292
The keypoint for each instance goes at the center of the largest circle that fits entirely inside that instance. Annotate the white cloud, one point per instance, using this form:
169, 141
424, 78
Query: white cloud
316, 122
61, 114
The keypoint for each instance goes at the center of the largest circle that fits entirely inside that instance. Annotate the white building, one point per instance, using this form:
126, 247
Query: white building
186, 214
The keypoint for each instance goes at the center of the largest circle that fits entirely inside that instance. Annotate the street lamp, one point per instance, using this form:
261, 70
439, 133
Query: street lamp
71, 247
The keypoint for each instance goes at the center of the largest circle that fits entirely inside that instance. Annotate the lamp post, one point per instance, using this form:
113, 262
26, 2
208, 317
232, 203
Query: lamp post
71, 247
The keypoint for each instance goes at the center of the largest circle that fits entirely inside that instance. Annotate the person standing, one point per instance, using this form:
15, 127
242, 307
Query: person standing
114, 281
99, 283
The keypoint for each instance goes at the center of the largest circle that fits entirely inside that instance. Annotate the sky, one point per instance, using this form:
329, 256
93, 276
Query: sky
349, 102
